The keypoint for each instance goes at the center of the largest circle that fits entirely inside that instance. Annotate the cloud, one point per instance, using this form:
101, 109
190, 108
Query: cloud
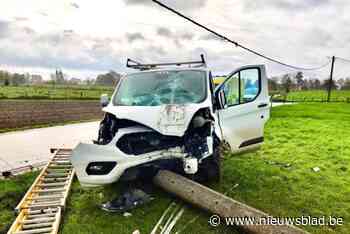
165, 32
187, 36
157, 49
176, 37
24, 47
281, 29
284, 4
178, 4
131, 37
21, 19
42, 13
28, 30
4, 28
75, 5
317, 37
209, 37
186, 5
68, 31
138, 2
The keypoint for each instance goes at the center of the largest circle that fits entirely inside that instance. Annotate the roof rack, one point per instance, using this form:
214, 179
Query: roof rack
137, 65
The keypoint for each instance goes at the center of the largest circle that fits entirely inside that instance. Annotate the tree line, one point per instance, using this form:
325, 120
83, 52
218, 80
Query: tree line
15, 79
285, 83
110, 78
297, 82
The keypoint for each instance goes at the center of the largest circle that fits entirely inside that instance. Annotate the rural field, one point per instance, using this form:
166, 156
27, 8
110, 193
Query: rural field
316, 96
54, 92
278, 179
74, 92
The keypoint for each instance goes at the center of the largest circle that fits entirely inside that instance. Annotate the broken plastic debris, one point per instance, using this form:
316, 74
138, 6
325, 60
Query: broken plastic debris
316, 169
127, 201
281, 164
127, 214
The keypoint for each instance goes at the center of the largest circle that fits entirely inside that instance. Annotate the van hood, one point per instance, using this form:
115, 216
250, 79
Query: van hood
170, 119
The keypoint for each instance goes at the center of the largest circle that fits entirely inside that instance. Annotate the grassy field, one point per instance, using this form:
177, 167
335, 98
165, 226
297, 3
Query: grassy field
94, 92
316, 96
11, 192
277, 179
53, 92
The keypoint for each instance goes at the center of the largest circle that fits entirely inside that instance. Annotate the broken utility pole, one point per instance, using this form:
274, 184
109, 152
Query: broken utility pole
217, 203
330, 80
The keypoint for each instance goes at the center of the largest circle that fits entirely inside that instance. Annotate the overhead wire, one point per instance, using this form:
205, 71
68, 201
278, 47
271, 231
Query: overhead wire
238, 44
341, 70
343, 59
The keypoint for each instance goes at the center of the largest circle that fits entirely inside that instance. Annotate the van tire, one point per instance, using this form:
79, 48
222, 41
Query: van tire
210, 168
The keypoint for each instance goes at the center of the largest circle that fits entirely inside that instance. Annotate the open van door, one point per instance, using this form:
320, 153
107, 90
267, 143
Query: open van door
244, 107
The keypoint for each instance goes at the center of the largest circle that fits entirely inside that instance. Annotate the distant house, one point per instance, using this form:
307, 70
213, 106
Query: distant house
109, 79
74, 81
36, 79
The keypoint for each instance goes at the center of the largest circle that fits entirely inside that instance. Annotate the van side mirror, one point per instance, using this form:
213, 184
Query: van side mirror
221, 99
104, 100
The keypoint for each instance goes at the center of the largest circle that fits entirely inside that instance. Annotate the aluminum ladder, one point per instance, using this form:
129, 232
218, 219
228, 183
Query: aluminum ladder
41, 208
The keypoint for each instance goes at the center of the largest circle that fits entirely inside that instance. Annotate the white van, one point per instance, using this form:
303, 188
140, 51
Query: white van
170, 115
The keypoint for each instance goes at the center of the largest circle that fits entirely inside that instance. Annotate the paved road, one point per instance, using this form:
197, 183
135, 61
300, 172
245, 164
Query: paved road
27, 147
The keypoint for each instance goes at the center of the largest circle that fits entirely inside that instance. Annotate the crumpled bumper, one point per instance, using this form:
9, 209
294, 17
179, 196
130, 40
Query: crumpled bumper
85, 156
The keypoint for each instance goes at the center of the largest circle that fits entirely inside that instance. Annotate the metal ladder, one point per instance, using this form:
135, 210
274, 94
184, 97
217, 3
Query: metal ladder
40, 209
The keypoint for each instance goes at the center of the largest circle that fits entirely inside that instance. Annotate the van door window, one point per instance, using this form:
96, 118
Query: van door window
250, 85
242, 87
231, 90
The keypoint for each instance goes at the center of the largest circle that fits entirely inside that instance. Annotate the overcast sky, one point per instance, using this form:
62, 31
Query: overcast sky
85, 38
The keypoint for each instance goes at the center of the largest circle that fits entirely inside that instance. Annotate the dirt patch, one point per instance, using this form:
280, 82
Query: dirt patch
24, 113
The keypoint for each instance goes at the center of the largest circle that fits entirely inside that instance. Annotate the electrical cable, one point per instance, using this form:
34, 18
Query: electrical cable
345, 60
236, 43
339, 71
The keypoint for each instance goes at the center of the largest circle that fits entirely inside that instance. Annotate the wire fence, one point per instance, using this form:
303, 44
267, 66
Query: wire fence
327, 85
54, 92
311, 96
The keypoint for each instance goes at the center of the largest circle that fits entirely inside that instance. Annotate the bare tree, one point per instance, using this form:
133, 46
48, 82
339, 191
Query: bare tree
287, 83
273, 84
299, 80
326, 84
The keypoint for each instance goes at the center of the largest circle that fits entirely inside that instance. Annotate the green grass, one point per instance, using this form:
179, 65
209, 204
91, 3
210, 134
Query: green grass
305, 136
317, 96
54, 92
11, 192
277, 179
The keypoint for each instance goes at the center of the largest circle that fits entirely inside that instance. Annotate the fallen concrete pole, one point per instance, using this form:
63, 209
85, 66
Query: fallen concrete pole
219, 204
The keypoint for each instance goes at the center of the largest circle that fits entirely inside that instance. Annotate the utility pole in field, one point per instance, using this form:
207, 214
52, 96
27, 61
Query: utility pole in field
331, 80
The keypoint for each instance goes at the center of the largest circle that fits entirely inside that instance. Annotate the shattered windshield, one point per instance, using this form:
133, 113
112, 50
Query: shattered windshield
162, 87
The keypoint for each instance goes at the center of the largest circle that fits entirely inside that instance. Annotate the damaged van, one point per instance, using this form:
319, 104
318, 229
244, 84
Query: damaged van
171, 116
